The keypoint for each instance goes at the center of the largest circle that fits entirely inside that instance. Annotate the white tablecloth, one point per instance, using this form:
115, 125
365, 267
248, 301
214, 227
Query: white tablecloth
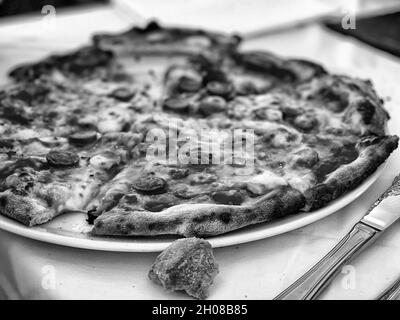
257, 270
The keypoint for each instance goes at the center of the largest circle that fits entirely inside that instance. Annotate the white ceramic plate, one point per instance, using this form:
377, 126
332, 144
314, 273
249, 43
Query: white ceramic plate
71, 229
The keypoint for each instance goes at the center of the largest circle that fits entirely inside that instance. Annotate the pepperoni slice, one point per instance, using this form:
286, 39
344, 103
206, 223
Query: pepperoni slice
232, 197
150, 184
182, 191
83, 137
212, 104
306, 122
188, 84
60, 158
214, 75
223, 89
160, 203
178, 173
176, 104
122, 94
246, 88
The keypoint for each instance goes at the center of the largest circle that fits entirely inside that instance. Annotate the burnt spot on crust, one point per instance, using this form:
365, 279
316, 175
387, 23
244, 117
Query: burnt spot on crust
3, 202
28, 72
91, 216
325, 167
373, 152
320, 195
305, 70
99, 223
341, 154
225, 217
151, 26
263, 62
288, 201
159, 226
369, 140
379, 146
130, 226
333, 98
202, 218
158, 203
367, 110
78, 62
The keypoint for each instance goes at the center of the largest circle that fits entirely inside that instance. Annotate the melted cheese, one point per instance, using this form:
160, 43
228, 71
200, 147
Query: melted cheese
301, 182
114, 118
264, 182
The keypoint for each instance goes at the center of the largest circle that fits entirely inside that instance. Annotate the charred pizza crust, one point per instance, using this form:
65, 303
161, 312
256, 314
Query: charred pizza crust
153, 39
26, 210
373, 151
202, 220
198, 219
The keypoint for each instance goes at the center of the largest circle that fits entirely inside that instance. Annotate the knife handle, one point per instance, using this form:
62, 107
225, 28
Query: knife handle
311, 284
392, 293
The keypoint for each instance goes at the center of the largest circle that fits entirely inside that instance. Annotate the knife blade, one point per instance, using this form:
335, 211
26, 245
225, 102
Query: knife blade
391, 293
383, 213
386, 210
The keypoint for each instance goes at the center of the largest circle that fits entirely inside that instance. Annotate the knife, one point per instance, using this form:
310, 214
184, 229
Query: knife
391, 293
384, 212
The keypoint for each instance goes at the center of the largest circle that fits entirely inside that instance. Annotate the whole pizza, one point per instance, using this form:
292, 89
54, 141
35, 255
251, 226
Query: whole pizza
177, 131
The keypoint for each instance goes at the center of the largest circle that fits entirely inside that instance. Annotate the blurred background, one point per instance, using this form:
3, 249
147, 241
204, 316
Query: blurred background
30, 29
62, 23
222, 14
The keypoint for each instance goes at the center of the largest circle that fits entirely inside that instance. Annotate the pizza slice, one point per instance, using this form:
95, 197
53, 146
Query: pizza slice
303, 152
64, 183
129, 218
43, 178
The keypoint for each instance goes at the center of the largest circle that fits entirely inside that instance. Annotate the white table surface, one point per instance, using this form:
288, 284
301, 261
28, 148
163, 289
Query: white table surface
257, 270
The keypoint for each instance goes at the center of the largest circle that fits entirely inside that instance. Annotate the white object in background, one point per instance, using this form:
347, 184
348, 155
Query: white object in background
233, 15
366, 8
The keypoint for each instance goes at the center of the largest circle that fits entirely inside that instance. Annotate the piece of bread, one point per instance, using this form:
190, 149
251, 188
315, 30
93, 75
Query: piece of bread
188, 265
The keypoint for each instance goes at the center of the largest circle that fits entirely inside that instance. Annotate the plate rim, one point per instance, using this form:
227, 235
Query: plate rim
246, 235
